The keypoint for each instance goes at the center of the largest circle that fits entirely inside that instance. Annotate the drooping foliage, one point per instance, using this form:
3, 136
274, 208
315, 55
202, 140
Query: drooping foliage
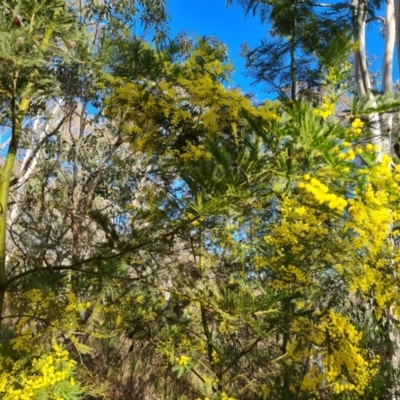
304, 38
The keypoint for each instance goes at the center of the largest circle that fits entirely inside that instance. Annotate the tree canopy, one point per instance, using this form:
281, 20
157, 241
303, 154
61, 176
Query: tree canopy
164, 236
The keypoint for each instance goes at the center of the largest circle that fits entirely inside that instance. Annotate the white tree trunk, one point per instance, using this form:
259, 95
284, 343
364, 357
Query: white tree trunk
381, 130
363, 80
397, 30
387, 71
390, 38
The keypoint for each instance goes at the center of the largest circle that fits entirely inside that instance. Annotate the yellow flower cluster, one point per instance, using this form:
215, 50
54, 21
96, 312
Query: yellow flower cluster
74, 305
311, 380
290, 245
340, 364
119, 321
224, 396
264, 392
194, 152
345, 356
349, 155
327, 108
320, 193
336, 75
371, 147
182, 360
291, 272
373, 212
343, 365
269, 111
33, 295
345, 152
215, 357
46, 372
355, 46
19, 343
382, 176
356, 127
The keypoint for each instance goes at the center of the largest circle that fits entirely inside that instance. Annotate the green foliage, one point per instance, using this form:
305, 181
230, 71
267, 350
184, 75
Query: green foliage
176, 240
306, 38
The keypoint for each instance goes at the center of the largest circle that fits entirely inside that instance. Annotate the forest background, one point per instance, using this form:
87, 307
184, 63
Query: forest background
164, 235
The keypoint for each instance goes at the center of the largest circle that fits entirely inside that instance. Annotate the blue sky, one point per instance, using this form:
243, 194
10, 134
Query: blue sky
228, 24
375, 47
231, 26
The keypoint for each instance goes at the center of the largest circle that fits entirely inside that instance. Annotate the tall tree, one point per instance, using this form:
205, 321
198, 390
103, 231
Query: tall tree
307, 37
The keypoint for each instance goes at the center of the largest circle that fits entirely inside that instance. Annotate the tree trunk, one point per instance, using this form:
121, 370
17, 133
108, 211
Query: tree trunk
363, 80
387, 72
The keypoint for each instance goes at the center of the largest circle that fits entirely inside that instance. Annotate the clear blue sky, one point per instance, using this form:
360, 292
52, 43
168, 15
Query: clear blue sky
231, 26
375, 47
228, 24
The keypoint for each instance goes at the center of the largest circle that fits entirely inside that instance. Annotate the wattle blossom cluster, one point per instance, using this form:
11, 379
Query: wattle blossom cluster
343, 354
356, 127
321, 193
49, 376
182, 360
327, 108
